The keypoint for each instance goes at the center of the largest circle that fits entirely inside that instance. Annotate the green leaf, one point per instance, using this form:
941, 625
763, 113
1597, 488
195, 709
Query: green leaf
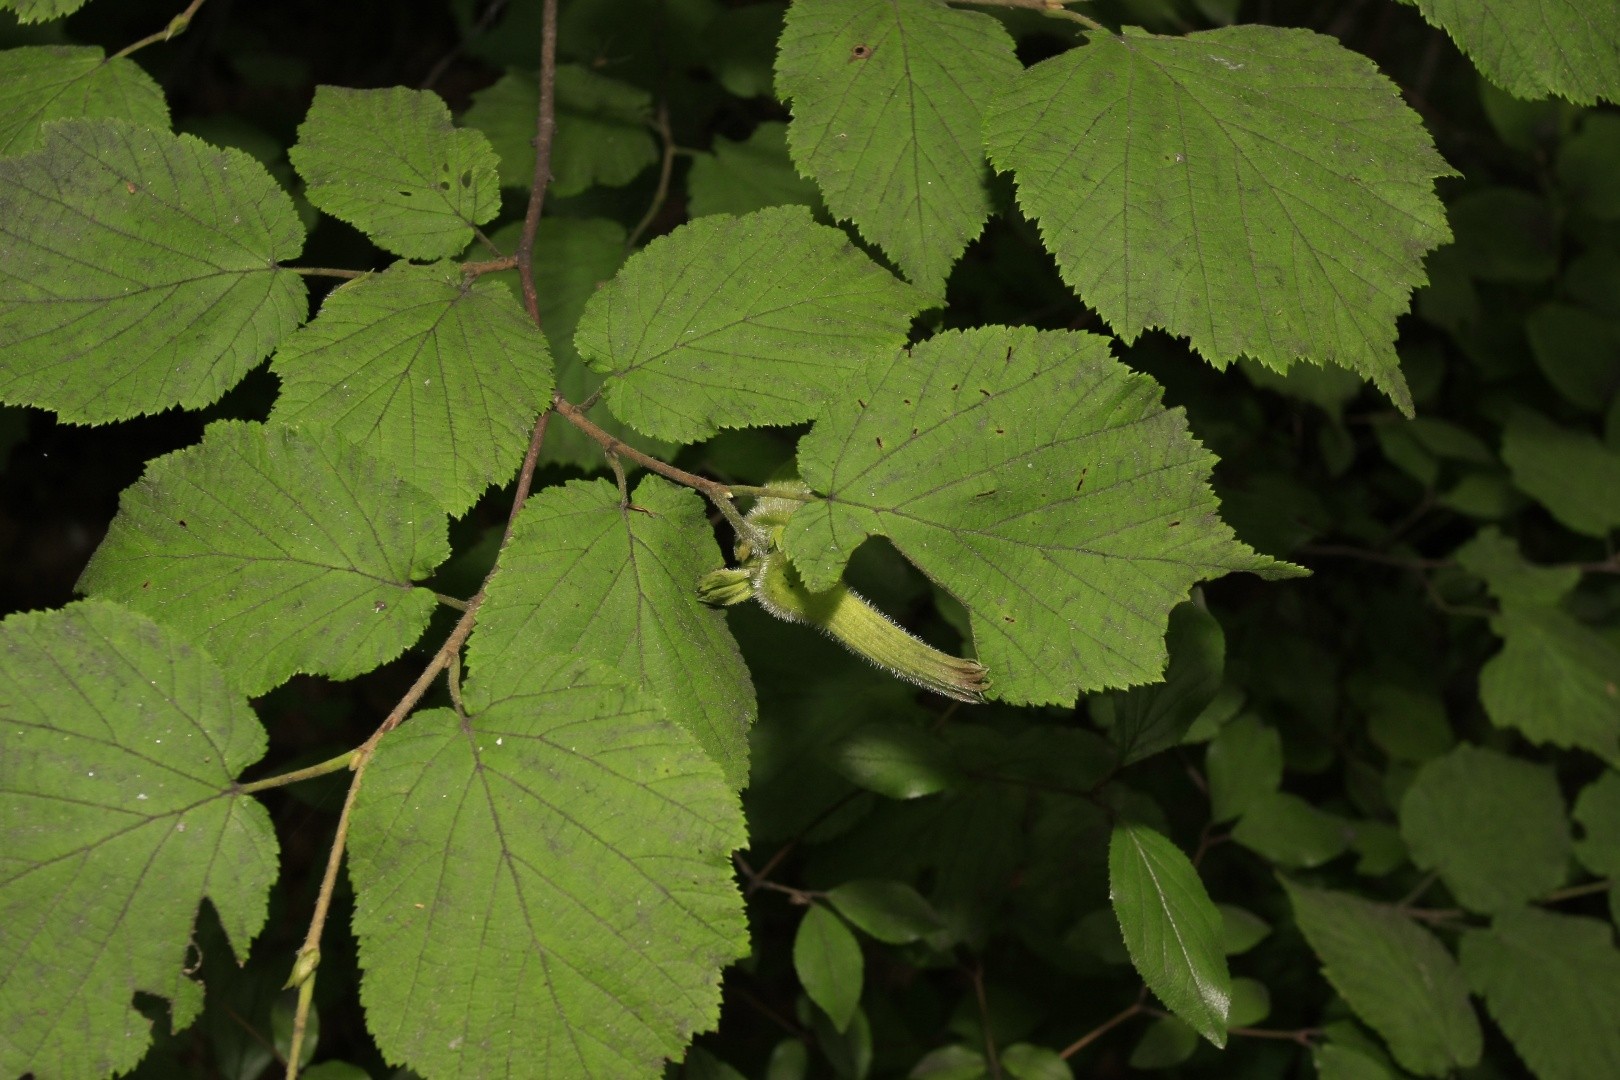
896, 760
1586, 172
891, 911
278, 551
734, 322
740, 44
1147, 719
1578, 350
1555, 680
828, 961
1334, 1062
1553, 984
1504, 234
439, 378
1037, 479
573, 257
741, 177
1598, 811
1251, 1003
702, 1065
1165, 1043
582, 575
603, 136
141, 271
1241, 930
390, 163
1511, 579
1406, 723
29, 11
42, 83
1395, 975
1533, 48
1292, 832
1573, 474
1271, 196
1026, 1061
950, 1063
545, 882
888, 100
1172, 930
120, 746
1493, 826
1243, 765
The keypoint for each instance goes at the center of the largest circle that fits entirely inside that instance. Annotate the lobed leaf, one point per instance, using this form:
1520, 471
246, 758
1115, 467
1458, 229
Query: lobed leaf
888, 101
390, 163
543, 889
437, 377
279, 551
30, 11
1037, 479
1494, 827
736, 322
141, 271
1262, 191
584, 575
41, 83
1533, 48
120, 746
1553, 984
1394, 975
1598, 812
1172, 930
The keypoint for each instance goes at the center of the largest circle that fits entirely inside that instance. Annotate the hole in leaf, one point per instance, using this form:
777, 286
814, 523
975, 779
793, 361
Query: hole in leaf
860, 52
466, 179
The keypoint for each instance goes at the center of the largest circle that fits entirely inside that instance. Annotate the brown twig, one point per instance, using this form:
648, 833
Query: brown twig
327, 271
1054, 8
1134, 1009
545, 132
990, 1056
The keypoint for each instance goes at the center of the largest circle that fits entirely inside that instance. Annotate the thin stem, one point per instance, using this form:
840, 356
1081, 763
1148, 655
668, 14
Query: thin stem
545, 132
177, 25
1053, 8
1575, 891
344, 760
990, 1056
485, 21
1418, 890
489, 266
717, 493
1348, 551
1101, 1029
451, 601
317, 923
1303, 1036
666, 170
327, 271
525, 480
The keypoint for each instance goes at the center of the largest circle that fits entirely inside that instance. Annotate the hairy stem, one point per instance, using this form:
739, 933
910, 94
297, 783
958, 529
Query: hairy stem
327, 271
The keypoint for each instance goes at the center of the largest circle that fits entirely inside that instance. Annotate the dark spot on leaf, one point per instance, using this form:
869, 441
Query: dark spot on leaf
444, 185
380, 606
956, 386
1009, 355
860, 52
183, 524
1173, 524
914, 431
1082, 482
983, 494
985, 392
466, 179
1008, 618
861, 403
880, 442
404, 194
1001, 431
146, 584
906, 400
129, 186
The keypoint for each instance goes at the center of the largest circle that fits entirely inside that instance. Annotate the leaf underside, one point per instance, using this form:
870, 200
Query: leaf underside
1269, 194
437, 378
582, 575
544, 890
279, 551
122, 744
1042, 483
141, 271
888, 101
733, 322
